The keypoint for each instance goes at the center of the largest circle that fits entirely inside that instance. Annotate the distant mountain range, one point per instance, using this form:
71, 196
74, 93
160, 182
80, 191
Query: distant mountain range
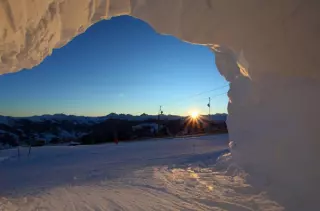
71, 127
10, 121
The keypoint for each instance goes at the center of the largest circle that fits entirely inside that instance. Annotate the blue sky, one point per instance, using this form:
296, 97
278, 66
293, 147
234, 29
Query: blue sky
121, 65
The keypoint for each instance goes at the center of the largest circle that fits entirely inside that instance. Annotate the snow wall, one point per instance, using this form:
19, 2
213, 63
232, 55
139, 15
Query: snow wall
267, 50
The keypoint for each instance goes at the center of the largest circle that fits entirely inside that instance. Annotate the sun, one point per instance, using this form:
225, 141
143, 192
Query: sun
195, 114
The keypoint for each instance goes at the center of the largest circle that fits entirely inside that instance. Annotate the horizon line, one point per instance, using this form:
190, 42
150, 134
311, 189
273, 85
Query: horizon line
105, 115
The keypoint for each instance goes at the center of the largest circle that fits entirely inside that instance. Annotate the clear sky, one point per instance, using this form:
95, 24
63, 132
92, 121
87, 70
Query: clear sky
121, 65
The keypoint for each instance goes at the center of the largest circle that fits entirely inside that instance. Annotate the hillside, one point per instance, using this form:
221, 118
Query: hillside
66, 128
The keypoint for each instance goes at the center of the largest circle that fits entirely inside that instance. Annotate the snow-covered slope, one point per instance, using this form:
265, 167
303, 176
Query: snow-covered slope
165, 174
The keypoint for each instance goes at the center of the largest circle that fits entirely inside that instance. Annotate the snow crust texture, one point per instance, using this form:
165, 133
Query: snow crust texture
163, 174
30, 30
267, 50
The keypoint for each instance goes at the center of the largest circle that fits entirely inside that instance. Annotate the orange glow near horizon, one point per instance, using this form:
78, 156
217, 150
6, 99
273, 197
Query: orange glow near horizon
194, 114
194, 119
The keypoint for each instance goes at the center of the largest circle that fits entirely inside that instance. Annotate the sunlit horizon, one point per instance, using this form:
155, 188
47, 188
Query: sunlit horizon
194, 116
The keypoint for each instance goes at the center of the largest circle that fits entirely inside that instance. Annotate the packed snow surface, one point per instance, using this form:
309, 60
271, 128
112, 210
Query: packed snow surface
159, 174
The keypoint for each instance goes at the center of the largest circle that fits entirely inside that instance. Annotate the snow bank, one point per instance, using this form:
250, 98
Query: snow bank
30, 30
267, 50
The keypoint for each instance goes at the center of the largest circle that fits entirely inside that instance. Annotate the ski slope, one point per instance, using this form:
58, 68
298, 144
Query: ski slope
159, 174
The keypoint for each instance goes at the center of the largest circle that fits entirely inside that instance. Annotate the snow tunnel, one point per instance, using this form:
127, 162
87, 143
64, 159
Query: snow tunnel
267, 50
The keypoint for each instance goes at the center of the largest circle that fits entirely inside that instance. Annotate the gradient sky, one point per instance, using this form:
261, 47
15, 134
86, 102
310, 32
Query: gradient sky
121, 65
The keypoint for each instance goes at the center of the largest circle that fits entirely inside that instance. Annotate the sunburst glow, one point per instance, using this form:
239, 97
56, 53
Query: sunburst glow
195, 114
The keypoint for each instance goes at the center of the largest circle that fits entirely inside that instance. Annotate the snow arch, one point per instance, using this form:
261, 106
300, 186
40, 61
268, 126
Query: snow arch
267, 50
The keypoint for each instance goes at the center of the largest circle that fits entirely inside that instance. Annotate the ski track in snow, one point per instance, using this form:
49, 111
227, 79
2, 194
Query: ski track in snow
162, 174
